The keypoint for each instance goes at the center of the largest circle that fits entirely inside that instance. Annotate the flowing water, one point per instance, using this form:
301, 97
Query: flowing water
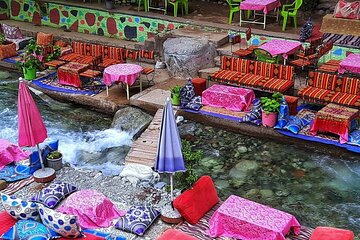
318, 189
86, 139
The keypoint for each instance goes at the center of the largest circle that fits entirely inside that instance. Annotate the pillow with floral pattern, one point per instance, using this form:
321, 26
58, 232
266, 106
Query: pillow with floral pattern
54, 194
11, 32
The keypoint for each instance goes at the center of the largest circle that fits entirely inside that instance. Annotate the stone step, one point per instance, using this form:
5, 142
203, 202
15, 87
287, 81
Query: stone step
217, 38
205, 73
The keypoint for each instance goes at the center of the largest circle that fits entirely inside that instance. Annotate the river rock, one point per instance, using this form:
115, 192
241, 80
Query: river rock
131, 120
184, 56
242, 149
209, 162
221, 184
138, 171
266, 193
187, 131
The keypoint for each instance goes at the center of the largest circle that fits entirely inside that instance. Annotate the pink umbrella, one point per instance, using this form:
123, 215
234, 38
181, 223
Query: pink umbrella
32, 130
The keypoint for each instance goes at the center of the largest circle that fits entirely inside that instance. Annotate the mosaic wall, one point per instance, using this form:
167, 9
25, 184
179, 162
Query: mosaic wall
4, 9
91, 21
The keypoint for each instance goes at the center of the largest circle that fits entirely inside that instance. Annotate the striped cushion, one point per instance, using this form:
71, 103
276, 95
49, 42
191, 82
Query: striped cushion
54, 63
116, 53
147, 70
90, 73
78, 47
322, 80
265, 69
242, 52
251, 80
225, 75
146, 54
93, 49
350, 85
328, 68
108, 62
333, 62
85, 60
316, 94
132, 54
70, 57
286, 72
300, 62
279, 85
345, 98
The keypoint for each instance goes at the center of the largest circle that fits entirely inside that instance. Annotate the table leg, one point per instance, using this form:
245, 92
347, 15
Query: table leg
277, 15
127, 92
140, 84
240, 17
284, 61
264, 21
107, 91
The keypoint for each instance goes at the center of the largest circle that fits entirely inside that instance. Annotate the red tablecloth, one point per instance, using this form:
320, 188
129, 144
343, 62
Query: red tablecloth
231, 98
334, 119
260, 5
68, 74
350, 64
281, 47
247, 220
126, 73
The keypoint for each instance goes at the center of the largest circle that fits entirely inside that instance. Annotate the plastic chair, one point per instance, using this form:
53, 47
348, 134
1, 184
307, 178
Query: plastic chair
290, 10
183, 3
234, 7
145, 3
264, 56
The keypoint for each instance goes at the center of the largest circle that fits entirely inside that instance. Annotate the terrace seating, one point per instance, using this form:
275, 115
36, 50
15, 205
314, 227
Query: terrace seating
253, 74
326, 88
111, 55
330, 66
249, 50
85, 53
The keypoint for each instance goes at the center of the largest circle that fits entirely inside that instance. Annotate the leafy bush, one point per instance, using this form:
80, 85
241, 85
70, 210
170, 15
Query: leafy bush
54, 155
271, 104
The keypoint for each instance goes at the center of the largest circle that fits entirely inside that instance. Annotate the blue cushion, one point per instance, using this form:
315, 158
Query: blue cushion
29, 230
294, 125
12, 172
283, 116
20, 209
49, 148
137, 219
35, 163
354, 138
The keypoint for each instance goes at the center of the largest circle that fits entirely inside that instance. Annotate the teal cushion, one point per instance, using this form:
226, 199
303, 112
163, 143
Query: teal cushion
29, 230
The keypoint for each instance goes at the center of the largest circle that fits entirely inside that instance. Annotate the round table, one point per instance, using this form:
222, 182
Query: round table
126, 73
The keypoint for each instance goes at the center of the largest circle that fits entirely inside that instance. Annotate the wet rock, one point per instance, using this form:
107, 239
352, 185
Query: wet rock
184, 56
131, 120
208, 162
187, 131
242, 149
266, 193
221, 184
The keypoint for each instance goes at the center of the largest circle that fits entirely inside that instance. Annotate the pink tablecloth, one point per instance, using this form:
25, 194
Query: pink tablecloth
126, 73
281, 47
260, 5
231, 98
93, 209
351, 64
10, 152
248, 220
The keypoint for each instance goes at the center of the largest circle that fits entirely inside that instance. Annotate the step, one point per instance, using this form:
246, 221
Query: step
205, 73
218, 39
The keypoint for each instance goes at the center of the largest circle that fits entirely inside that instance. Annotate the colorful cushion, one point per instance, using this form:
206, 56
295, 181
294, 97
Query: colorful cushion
29, 230
294, 125
226, 74
20, 209
306, 31
283, 116
35, 163
137, 219
12, 173
187, 92
6, 221
354, 137
323, 80
344, 98
329, 233
8, 50
279, 85
54, 193
11, 32
350, 85
194, 203
44, 39
60, 43
254, 116
63, 224
345, 9
174, 234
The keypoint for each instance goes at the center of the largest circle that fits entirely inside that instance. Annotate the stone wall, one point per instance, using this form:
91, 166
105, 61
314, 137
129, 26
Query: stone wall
326, 6
91, 21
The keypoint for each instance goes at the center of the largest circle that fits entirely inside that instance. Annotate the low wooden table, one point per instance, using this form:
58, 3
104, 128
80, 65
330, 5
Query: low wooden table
69, 74
335, 119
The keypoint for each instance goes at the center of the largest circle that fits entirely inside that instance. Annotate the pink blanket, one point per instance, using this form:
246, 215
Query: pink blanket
10, 152
93, 209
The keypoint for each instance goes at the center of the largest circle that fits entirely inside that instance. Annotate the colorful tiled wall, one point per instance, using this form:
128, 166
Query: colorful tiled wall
4, 9
91, 21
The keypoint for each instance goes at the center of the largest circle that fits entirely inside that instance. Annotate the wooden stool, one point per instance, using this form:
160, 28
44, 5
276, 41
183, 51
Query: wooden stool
199, 85
55, 63
292, 103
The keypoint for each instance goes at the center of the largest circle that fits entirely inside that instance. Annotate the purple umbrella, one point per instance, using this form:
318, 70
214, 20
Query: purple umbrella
169, 158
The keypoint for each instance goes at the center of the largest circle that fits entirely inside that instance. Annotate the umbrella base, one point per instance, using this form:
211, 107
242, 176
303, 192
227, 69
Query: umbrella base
44, 175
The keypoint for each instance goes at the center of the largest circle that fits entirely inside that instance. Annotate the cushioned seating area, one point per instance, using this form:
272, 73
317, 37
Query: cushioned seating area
173, 234
326, 88
7, 50
254, 74
112, 55
85, 53
329, 233
90, 73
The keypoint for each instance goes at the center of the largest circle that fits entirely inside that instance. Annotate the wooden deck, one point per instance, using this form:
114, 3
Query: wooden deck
143, 150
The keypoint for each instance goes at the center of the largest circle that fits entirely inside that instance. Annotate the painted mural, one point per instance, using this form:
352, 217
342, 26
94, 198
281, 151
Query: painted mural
4, 9
90, 21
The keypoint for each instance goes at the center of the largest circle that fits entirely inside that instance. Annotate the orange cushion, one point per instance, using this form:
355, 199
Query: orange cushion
329, 233
60, 43
194, 203
44, 38
8, 50
173, 234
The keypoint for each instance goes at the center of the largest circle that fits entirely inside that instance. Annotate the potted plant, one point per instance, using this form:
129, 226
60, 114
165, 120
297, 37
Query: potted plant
31, 60
175, 95
109, 4
270, 108
54, 160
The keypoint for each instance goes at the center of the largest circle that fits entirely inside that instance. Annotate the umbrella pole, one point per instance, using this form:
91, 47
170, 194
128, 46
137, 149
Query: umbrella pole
40, 156
171, 187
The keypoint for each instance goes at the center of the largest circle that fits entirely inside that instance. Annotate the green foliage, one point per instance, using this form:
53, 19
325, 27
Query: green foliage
175, 91
271, 104
54, 155
188, 178
55, 55
2, 38
42, 7
32, 56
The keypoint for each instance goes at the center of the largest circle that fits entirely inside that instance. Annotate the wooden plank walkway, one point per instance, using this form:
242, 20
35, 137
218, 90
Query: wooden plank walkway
143, 150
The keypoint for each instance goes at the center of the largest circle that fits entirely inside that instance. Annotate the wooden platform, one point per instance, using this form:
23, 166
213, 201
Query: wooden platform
143, 150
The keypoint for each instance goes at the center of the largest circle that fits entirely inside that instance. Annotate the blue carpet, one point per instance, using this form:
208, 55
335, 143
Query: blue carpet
50, 82
218, 115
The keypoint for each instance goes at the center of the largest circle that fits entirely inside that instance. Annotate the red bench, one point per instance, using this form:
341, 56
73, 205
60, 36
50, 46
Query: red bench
254, 74
85, 53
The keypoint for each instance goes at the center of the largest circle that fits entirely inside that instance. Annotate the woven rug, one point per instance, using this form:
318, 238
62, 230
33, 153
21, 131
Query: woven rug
16, 186
50, 82
343, 40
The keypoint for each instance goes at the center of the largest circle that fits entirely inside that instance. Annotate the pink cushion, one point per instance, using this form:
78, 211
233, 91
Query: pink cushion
173, 234
345, 9
329, 233
194, 203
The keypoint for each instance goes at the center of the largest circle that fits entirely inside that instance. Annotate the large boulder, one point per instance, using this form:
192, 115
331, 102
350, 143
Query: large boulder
184, 56
131, 120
